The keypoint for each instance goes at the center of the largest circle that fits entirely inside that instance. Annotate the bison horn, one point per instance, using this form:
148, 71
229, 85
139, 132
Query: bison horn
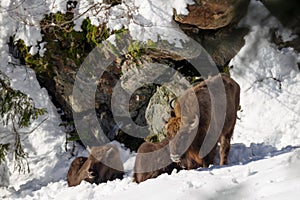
195, 123
109, 152
91, 174
175, 158
171, 103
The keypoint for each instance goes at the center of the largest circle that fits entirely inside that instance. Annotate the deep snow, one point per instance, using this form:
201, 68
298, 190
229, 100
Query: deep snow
264, 158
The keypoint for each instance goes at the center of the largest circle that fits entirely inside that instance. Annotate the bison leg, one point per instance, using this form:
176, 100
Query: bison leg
210, 158
225, 147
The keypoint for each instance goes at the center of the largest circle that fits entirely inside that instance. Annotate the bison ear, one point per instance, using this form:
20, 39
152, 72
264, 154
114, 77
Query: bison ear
184, 119
110, 152
193, 123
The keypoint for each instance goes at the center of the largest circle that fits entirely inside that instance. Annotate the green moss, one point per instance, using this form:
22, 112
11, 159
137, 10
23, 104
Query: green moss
94, 35
123, 30
64, 45
226, 70
151, 44
34, 61
136, 50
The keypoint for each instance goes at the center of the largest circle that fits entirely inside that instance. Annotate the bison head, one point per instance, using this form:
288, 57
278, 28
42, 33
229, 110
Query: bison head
181, 132
89, 170
96, 168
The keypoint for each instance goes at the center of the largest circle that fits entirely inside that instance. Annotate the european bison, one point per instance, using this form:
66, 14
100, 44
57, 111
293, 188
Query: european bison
102, 165
73, 176
152, 160
215, 118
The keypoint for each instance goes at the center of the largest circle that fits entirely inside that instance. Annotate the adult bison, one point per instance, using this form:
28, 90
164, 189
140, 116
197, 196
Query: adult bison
95, 169
206, 114
152, 160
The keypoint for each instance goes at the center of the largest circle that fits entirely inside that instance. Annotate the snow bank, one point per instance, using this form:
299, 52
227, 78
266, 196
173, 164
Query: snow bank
263, 165
272, 178
270, 83
45, 145
47, 158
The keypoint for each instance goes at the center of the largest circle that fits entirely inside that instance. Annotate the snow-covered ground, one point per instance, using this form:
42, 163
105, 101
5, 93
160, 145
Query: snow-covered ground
264, 158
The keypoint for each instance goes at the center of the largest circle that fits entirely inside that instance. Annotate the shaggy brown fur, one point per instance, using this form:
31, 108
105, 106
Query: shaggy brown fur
152, 165
103, 164
208, 120
173, 126
73, 177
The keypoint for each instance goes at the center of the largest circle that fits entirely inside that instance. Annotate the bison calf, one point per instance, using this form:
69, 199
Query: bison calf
153, 160
102, 165
73, 176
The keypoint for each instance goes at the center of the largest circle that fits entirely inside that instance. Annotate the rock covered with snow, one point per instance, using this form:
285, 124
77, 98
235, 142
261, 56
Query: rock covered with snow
214, 25
269, 79
213, 14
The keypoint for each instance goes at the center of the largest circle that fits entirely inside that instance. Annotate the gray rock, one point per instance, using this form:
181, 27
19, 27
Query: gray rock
287, 12
159, 109
112, 2
224, 45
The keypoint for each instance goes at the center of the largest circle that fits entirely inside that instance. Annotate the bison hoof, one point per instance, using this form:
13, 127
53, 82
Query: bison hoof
175, 158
